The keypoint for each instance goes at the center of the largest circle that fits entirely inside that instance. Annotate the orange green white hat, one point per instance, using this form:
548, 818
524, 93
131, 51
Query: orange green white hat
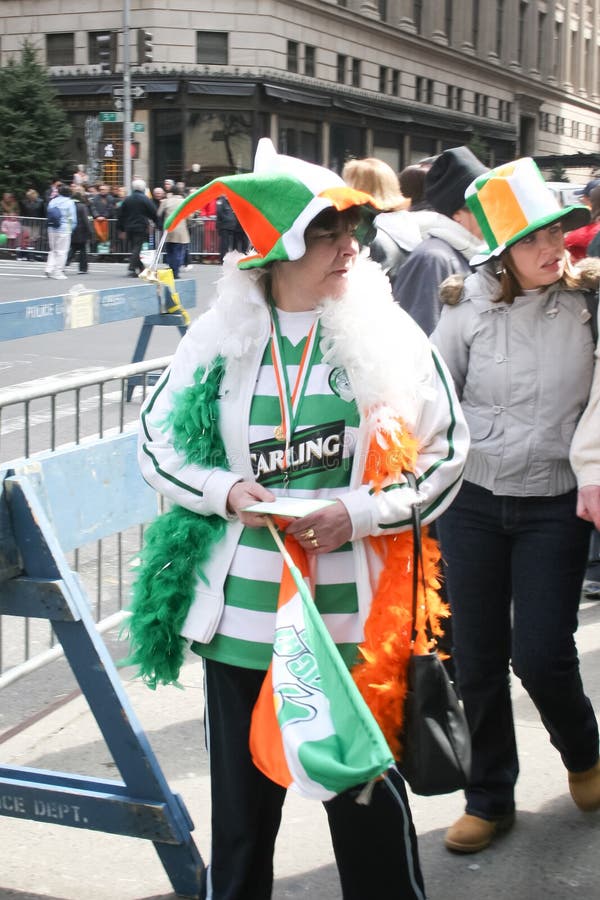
511, 201
275, 203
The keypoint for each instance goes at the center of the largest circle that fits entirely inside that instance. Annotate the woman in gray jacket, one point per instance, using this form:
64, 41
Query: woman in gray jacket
518, 342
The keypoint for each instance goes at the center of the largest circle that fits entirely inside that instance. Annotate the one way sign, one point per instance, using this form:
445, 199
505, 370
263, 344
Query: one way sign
137, 91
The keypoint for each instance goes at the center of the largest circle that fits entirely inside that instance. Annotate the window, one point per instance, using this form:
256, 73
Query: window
383, 10
396, 82
560, 125
521, 30
292, 56
423, 89
448, 15
480, 104
499, 27
418, 15
541, 46
454, 97
574, 59
556, 69
356, 73
60, 49
212, 48
475, 24
383, 78
341, 68
309, 60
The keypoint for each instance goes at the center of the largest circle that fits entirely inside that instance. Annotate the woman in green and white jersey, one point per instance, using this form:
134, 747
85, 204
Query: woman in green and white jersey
279, 390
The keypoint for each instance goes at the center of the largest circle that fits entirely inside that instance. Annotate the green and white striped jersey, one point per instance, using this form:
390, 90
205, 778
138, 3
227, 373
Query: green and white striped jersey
320, 463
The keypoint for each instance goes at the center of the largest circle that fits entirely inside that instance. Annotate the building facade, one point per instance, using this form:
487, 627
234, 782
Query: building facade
324, 79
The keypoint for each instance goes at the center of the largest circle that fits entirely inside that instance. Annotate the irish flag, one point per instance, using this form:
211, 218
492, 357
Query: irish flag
311, 730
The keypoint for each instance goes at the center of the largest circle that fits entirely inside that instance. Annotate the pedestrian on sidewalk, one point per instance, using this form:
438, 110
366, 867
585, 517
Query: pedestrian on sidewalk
82, 233
177, 239
516, 337
133, 218
62, 217
585, 459
304, 348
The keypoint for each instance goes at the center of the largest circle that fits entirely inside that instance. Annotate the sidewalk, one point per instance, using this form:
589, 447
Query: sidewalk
551, 854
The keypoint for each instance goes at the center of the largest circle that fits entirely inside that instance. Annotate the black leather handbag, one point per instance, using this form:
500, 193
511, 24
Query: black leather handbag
436, 756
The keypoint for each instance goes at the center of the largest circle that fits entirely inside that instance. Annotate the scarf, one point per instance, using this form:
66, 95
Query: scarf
179, 543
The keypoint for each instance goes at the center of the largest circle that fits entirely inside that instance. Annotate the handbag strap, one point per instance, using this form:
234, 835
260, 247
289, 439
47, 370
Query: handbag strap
417, 559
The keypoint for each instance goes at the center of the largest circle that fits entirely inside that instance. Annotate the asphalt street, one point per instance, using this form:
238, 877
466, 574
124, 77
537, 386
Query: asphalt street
82, 349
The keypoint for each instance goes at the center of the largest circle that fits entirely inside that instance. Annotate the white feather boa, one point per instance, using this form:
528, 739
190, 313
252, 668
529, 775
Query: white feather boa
386, 355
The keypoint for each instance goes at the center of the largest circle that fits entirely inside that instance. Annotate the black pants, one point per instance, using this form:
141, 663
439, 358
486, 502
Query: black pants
515, 570
136, 239
82, 250
375, 846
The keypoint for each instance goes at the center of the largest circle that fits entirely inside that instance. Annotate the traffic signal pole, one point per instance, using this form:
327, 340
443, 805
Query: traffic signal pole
126, 100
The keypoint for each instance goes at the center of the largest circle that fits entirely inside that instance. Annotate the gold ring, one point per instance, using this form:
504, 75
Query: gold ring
314, 542
308, 534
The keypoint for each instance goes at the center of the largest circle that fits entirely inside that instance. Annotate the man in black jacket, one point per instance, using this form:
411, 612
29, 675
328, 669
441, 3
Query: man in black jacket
134, 214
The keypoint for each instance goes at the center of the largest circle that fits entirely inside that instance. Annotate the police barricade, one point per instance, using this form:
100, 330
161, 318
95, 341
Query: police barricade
27, 239
49, 505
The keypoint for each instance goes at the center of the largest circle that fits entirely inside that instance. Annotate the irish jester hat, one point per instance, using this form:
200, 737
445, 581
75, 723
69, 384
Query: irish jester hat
511, 201
276, 202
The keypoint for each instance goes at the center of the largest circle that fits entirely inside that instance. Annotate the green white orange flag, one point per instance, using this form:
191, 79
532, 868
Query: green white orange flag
311, 730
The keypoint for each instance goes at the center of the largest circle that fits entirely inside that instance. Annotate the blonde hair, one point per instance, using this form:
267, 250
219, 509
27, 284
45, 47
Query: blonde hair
376, 178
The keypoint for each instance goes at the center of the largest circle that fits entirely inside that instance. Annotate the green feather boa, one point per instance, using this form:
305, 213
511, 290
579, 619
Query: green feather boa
178, 543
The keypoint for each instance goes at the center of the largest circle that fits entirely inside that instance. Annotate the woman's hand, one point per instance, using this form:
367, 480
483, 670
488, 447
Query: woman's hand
588, 504
324, 530
245, 493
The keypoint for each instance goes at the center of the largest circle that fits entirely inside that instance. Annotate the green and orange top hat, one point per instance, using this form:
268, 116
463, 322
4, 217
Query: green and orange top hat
511, 201
276, 202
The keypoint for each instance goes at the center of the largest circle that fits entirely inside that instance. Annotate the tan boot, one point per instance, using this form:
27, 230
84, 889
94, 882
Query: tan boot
470, 834
585, 788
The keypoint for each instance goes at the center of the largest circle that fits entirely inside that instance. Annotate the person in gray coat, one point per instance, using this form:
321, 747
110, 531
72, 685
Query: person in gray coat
518, 341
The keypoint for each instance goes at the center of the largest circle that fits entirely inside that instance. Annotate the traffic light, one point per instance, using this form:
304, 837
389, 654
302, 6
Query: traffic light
104, 51
144, 46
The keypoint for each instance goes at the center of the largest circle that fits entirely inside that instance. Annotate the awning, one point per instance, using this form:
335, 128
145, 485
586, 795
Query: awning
292, 95
228, 89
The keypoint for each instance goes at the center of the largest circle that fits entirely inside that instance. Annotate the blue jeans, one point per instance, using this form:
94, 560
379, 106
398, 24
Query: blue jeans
174, 256
525, 555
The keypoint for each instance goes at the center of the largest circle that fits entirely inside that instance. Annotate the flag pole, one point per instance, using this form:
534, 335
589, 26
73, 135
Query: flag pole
280, 546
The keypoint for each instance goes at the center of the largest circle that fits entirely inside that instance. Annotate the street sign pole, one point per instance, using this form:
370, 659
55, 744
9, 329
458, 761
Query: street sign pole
126, 100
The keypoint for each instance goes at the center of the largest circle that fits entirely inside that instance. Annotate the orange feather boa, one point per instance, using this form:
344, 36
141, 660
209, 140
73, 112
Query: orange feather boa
381, 672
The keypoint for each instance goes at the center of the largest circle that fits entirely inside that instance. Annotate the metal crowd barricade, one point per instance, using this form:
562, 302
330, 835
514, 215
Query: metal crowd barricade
58, 413
58, 501
27, 239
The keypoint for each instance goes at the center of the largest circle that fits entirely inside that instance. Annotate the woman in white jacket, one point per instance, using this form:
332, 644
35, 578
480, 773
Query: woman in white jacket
518, 342
304, 379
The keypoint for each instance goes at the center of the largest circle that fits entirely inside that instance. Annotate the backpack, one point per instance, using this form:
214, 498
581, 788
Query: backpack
54, 219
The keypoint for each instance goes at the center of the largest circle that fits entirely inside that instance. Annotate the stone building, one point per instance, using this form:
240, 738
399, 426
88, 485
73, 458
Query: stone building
398, 79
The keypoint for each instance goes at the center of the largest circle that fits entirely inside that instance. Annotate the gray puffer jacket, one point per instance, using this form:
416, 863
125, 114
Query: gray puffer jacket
523, 373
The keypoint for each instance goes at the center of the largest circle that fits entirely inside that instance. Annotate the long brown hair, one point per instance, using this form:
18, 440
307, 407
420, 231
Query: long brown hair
509, 283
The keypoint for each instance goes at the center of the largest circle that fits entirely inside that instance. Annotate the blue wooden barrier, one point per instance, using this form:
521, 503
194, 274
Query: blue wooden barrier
49, 504
24, 318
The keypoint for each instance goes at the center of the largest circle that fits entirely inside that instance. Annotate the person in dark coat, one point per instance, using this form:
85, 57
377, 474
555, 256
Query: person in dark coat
82, 233
228, 227
134, 215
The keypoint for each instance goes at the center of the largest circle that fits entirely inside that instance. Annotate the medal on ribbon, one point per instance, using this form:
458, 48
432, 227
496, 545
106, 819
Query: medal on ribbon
290, 401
